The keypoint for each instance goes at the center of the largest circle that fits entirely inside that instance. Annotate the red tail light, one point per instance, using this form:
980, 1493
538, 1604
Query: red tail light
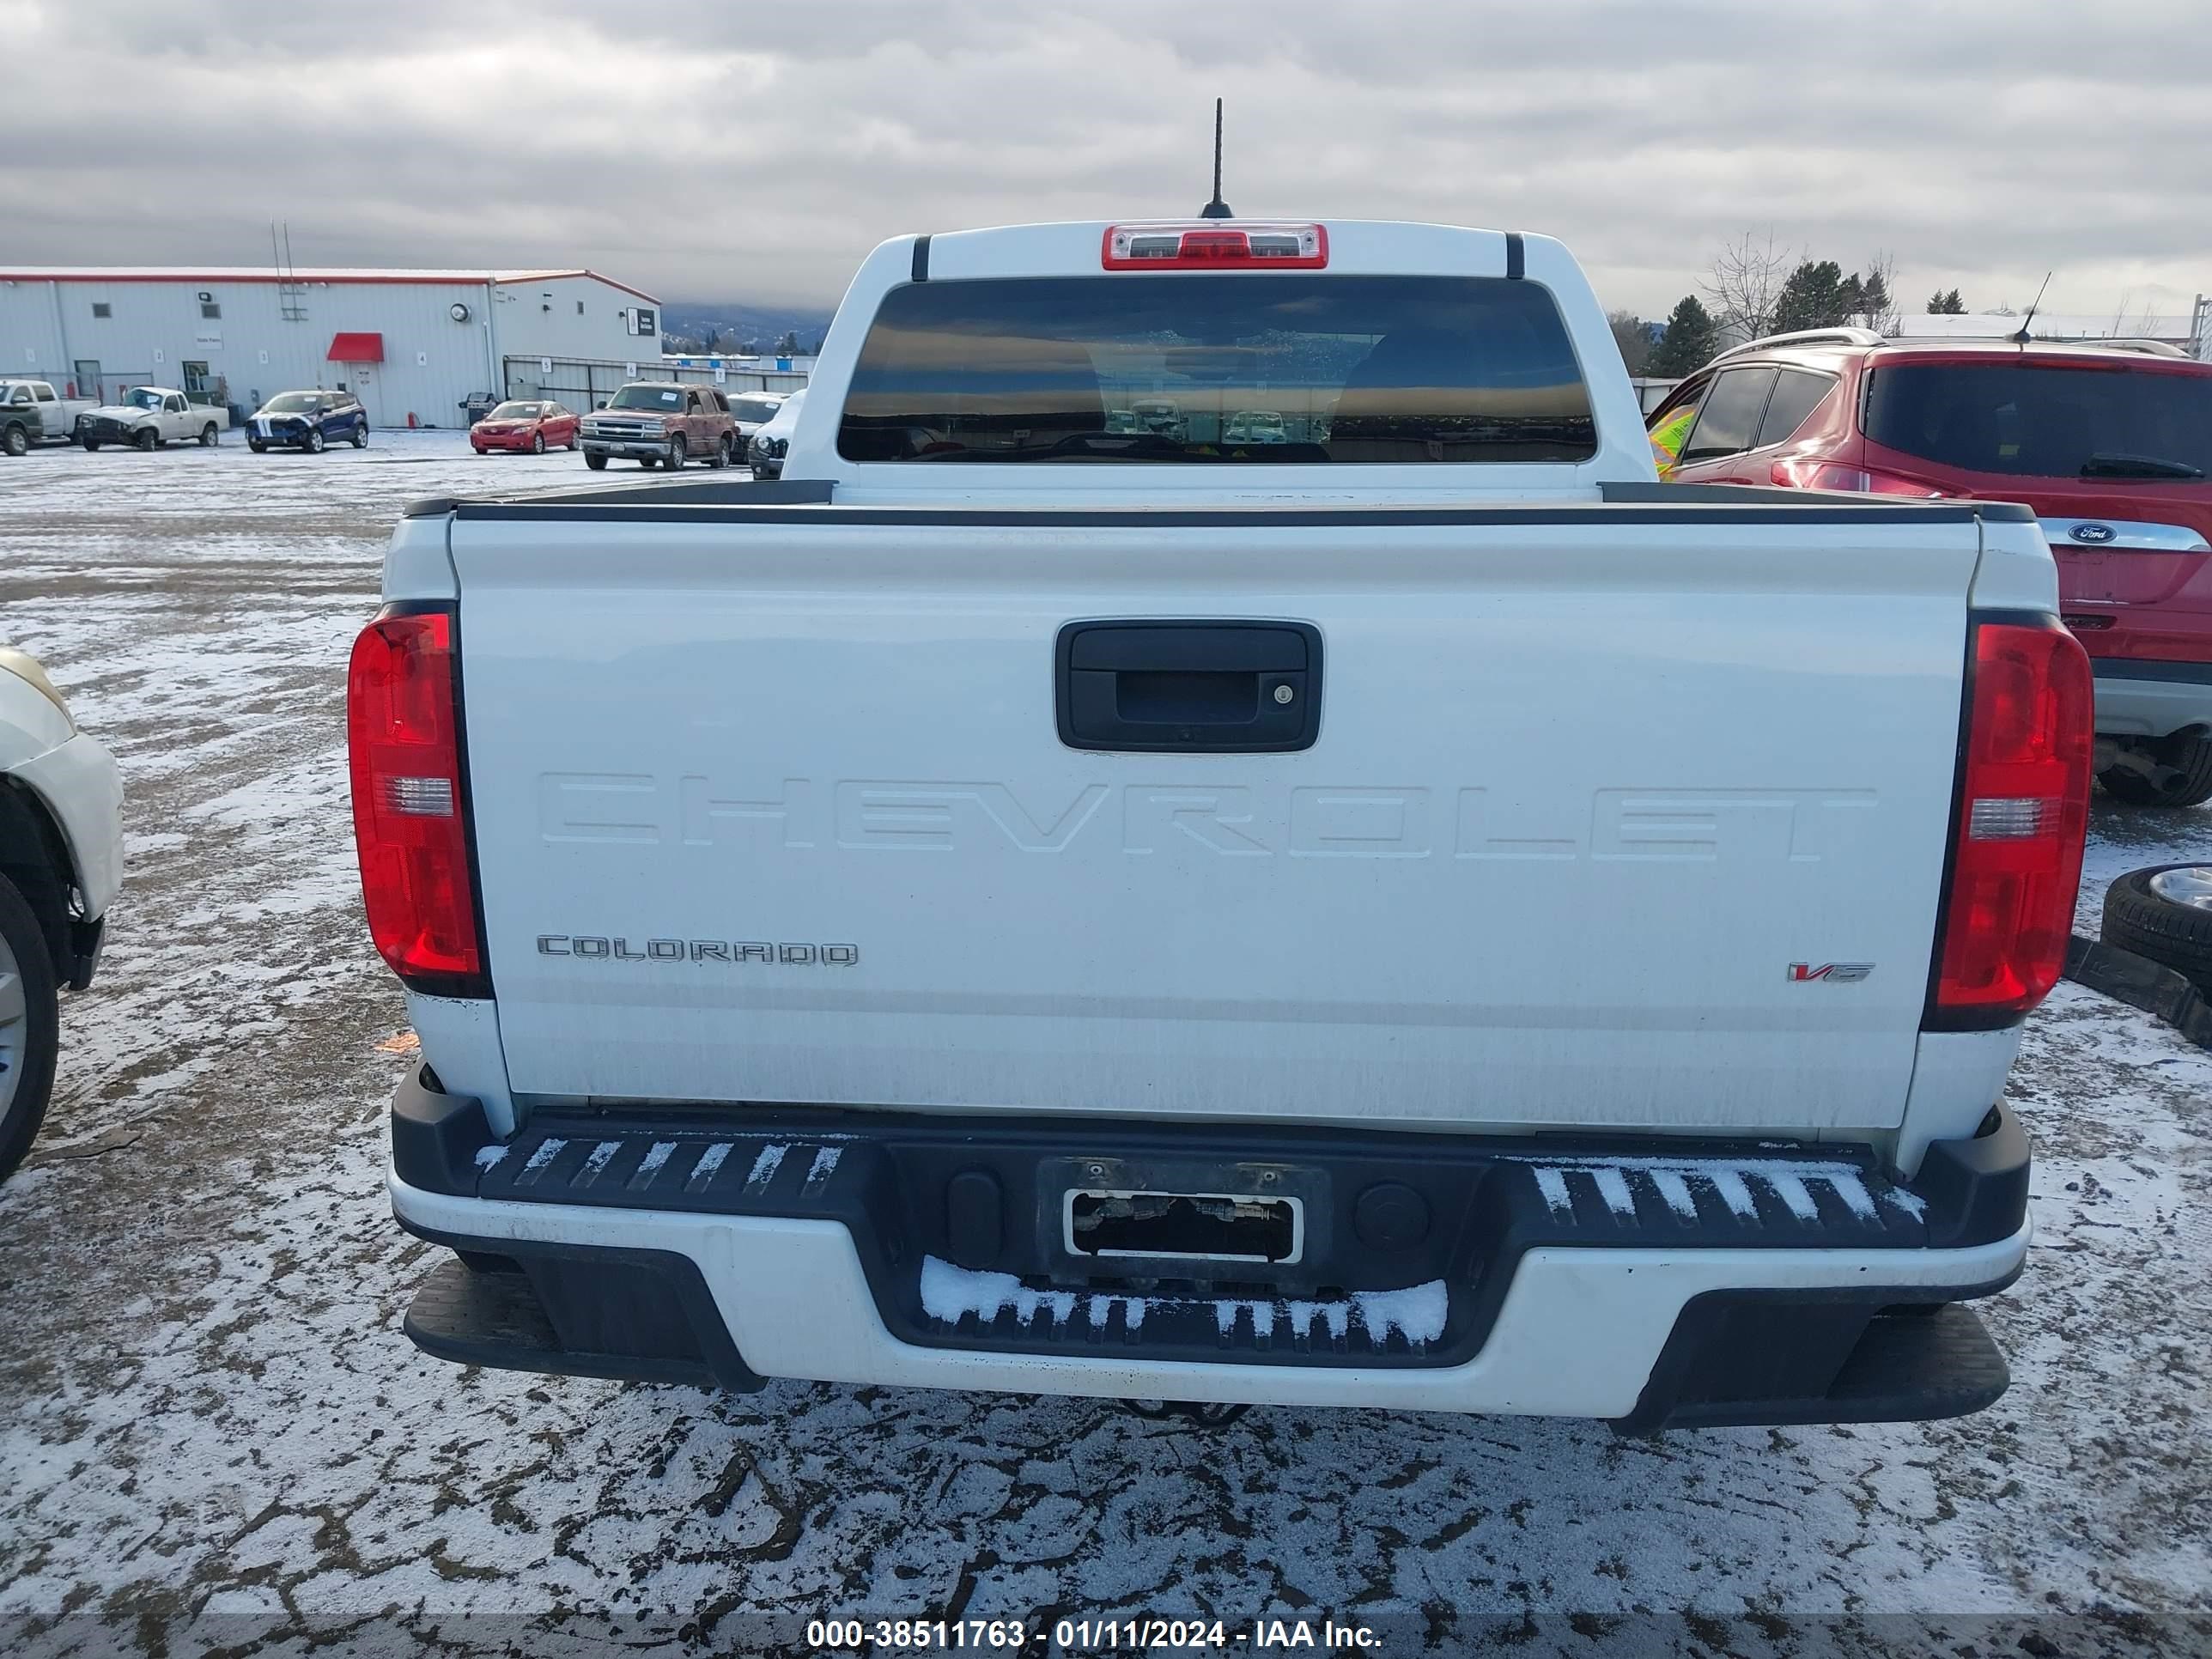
1826, 475
403, 728
2023, 810
1170, 247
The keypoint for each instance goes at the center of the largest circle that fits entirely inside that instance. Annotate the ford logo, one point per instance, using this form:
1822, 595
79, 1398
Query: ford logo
2095, 534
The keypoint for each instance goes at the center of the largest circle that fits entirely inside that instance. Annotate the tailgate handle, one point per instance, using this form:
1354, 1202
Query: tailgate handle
1188, 687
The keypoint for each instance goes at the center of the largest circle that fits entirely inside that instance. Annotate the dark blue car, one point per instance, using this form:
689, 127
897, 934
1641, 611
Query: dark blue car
307, 420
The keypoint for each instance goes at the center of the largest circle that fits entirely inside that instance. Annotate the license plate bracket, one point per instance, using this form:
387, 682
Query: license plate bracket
1242, 1220
1224, 1227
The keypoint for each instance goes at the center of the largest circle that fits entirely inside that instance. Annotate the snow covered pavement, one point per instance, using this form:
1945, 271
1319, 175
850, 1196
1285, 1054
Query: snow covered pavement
212, 1433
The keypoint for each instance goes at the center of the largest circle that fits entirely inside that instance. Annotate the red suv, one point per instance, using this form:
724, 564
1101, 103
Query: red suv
2110, 444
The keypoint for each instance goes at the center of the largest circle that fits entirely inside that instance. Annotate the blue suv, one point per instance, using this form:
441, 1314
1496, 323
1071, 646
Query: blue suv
307, 420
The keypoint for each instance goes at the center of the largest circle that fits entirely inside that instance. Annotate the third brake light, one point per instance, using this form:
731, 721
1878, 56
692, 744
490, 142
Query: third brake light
1213, 244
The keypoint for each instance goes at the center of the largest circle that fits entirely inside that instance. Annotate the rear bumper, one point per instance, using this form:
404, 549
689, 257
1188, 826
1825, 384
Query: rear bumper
2152, 699
1550, 1279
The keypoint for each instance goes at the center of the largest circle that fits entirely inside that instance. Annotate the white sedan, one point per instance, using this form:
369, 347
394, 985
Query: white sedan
61, 863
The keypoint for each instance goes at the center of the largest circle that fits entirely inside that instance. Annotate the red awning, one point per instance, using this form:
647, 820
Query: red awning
357, 349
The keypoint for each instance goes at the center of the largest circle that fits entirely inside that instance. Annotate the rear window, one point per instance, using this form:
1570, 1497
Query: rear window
1731, 414
1798, 393
1260, 367
2044, 420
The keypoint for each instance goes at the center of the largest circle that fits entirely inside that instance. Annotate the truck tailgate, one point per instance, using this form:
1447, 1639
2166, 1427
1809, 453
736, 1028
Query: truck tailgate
773, 807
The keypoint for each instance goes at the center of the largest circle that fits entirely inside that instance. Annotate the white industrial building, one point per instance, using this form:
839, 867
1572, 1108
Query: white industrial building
2190, 330
414, 345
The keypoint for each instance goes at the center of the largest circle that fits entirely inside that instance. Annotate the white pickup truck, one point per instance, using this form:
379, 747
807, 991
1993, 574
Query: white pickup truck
150, 417
1409, 914
32, 412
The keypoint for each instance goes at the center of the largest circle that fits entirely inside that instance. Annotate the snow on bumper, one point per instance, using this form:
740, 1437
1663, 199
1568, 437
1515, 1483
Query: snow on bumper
1579, 1333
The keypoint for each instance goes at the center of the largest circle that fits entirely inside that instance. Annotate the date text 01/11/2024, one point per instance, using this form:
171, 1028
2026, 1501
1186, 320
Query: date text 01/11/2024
1088, 1636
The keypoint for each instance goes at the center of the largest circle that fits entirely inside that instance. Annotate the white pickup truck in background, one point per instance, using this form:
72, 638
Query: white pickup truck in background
150, 417
32, 412
1406, 912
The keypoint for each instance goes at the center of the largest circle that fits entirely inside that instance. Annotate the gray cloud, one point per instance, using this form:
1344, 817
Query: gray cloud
757, 152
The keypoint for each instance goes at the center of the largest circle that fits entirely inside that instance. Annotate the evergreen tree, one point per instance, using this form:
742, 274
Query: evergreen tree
1946, 305
1873, 298
1688, 344
1811, 297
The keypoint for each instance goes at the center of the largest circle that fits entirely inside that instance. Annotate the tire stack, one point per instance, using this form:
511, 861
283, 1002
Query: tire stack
2164, 914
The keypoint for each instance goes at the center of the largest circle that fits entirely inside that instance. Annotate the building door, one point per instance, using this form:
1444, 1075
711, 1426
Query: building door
195, 379
86, 384
362, 377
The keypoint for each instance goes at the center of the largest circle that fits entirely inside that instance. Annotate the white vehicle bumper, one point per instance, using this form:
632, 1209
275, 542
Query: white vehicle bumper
1579, 1333
1739, 1283
79, 783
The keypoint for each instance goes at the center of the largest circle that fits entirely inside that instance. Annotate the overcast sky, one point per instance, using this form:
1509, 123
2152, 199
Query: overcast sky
755, 152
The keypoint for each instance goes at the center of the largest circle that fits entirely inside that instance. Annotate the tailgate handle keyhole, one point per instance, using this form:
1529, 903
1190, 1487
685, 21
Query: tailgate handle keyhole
1190, 687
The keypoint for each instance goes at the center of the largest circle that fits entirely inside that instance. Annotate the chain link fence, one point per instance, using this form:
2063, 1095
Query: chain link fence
583, 383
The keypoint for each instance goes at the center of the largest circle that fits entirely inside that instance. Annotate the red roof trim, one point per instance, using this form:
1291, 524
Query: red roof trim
512, 279
356, 348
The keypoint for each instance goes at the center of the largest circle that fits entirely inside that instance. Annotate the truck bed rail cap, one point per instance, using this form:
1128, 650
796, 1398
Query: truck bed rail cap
1839, 511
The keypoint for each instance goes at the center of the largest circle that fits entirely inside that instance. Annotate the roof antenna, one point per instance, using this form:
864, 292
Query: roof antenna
2021, 337
1215, 209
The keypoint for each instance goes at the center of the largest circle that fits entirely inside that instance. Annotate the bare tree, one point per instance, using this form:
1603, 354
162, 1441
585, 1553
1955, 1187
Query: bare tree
2144, 326
1745, 281
1633, 335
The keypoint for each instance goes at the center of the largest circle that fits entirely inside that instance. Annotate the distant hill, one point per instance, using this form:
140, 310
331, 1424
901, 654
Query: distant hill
684, 324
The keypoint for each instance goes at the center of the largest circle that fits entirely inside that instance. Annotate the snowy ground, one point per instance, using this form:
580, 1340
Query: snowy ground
211, 1430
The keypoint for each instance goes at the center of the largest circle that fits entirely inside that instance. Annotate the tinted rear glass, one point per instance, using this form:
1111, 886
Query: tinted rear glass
2040, 420
1262, 366
1731, 414
1798, 393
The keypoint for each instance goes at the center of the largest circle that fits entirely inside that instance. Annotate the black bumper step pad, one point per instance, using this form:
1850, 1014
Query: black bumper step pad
638, 1316
1740, 1359
1816, 1199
